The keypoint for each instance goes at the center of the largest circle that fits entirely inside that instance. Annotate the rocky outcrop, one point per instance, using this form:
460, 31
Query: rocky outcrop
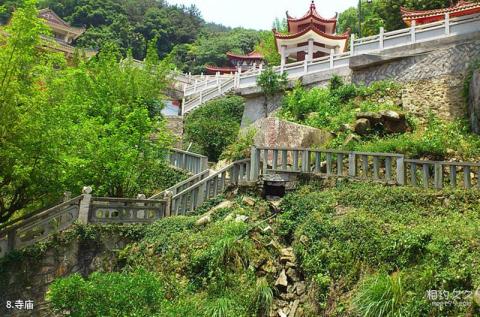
387, 122
206, 218
291, 289
474, 102
273, 132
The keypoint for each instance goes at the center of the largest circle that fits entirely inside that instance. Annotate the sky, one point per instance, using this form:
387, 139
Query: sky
260, 14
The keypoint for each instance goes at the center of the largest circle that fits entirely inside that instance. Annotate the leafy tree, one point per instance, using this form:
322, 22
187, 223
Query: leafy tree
63, 127
268, 48
210, 48
271, 83
215, 125
33, 134
124, 145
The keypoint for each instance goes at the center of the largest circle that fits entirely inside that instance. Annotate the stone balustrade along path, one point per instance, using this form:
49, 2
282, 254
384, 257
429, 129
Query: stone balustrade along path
186, 196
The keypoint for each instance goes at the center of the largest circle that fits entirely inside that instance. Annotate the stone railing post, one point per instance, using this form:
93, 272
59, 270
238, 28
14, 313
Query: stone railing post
204, 164
381, 38
352, 165
254, 163
168, 207
332, 53
84, 208
447, 23
352, 44
401, 170
412, 31
141, 213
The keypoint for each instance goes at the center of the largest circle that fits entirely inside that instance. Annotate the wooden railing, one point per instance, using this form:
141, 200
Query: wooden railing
385, 167
191, 198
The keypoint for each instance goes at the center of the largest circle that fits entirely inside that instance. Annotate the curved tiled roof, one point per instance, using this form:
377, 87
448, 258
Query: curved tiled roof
220, 69
251, 55
461, 8
53, 19
311, 27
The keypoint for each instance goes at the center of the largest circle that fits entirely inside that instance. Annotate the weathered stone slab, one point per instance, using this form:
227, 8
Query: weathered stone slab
273, 132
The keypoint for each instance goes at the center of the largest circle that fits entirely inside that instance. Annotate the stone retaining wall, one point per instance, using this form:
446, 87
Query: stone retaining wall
474, 102
28, 278
433, 77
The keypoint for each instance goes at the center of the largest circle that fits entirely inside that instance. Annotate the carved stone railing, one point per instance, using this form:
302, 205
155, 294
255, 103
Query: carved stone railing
442, 174
188, 161
385, 167
206, 95
191, 198
179, 187
125, 210
27, 231
32, 228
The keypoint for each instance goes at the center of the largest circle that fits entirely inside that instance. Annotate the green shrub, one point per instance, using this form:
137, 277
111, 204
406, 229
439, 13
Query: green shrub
468, 80
111, 294
215, 125
382, 295
438, 140
364, 232
264, 296
335, 82
330, 108
241, 148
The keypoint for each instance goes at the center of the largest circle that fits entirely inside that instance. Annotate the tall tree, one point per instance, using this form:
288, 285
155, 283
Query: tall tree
33, 133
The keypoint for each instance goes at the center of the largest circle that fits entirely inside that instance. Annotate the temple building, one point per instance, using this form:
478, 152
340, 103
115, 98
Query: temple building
462, 8
309, 37
62, 33
238, 62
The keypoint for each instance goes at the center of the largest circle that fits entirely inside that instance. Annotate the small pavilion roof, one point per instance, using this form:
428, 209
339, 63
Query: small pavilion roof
426, 16
222, 70
313, 28
312, 31
55, 21
252, 55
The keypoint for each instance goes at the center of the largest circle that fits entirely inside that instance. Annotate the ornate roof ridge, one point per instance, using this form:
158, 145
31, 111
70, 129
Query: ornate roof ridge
312, 13
316, 30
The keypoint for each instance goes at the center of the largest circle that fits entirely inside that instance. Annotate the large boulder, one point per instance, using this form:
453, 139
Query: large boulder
474, 102
388, 120
362, 126
274, 132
